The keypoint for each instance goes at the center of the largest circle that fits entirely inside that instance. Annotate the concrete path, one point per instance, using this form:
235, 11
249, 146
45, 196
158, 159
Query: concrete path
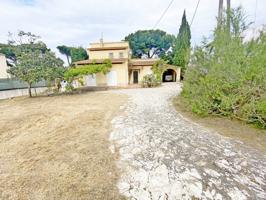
164, 156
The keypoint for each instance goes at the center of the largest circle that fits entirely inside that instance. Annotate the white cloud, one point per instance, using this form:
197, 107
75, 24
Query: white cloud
81, 22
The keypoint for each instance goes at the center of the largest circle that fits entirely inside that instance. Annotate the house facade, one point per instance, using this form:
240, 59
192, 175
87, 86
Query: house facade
125, 70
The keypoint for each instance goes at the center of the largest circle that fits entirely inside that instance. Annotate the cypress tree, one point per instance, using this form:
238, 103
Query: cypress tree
182, 46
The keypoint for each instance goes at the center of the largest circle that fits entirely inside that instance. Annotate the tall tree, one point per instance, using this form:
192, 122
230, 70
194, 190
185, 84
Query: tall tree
228, 16
65, 51
78, 53
33, 62
149, 43
220, 12
182, 46
73, 54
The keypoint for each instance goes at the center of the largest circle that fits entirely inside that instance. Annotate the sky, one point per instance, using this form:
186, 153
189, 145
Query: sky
80, 22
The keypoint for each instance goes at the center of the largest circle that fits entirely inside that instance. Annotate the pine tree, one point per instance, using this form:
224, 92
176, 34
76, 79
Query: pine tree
182, 46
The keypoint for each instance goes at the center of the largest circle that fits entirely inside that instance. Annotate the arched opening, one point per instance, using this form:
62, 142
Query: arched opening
169, 76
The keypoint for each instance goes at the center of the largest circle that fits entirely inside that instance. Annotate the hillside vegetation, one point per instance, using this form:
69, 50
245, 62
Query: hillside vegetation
228, 76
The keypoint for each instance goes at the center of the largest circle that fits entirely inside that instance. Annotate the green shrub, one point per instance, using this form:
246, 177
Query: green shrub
150, 80
228, 77
77, 72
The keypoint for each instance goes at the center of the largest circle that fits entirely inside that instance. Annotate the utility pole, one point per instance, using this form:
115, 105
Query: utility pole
220, 11
228, 15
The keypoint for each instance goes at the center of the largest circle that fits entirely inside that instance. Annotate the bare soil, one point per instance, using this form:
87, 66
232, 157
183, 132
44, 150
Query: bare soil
234, 129
57, 147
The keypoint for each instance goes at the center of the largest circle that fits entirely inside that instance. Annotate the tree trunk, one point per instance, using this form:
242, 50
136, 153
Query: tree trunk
220, 12
68, 60
29, 89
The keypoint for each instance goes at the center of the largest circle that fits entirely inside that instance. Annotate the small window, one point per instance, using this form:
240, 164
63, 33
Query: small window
121, 55
111, 55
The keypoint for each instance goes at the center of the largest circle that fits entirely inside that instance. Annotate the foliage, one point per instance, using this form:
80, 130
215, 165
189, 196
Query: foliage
227, 77
23, 42
78, 54
150, 80
33, 62
149, 43
79, 71
158, 68
73, 54
181, 54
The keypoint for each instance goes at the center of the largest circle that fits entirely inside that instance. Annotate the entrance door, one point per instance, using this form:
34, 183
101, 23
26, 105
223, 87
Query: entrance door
135, 77
112, 78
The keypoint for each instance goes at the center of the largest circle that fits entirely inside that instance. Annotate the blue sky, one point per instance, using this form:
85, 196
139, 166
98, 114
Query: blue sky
81, 22
27, 2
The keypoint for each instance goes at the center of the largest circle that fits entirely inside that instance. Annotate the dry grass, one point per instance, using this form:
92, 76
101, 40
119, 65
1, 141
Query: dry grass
58, 148
253, 137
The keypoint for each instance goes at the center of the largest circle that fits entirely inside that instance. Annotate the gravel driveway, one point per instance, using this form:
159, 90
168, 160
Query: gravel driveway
165, 156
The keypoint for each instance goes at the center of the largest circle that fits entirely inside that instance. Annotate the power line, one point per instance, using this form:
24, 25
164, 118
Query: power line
165, 11
195, 13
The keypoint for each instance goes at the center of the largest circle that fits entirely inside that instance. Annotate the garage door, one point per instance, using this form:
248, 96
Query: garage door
91, 80
112, 78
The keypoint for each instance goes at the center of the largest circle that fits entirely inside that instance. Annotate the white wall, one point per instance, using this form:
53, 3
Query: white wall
6, 94
3, 67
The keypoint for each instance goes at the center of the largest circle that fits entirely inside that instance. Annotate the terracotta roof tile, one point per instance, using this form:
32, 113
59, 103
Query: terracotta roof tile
100, 61
142, 62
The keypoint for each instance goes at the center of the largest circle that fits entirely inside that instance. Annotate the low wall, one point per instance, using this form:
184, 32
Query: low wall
6, 94
11, 84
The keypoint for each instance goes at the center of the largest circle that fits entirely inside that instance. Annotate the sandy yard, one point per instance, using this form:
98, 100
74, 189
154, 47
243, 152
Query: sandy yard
58, 148
103, 145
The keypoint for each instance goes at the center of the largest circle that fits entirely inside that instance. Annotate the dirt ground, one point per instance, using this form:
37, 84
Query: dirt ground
234, 129
58, 148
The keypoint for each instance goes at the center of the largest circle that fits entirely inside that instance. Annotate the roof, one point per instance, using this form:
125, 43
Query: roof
106, 48
132, 62
143, 62
102, 46
100, 61
110, 42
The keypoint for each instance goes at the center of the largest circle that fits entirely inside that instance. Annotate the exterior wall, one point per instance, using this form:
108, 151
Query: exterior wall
142, 70
101, 79
102, 54
3, 67
105, 54
109, 44
122, 75
145, 71
178, 74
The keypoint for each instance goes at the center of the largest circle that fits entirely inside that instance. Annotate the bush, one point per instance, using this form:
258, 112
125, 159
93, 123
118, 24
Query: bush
228, 76
150, 81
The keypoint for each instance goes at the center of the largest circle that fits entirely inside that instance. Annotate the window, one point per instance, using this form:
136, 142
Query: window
121, 55
111, 55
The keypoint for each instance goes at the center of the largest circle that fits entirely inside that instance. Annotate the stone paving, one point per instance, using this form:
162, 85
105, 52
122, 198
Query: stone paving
165, 156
